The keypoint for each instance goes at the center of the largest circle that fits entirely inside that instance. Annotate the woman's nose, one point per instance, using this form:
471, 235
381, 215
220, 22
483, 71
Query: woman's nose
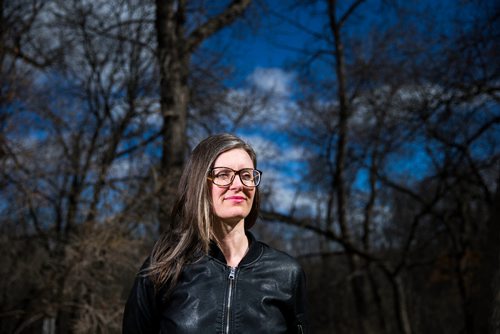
236, 182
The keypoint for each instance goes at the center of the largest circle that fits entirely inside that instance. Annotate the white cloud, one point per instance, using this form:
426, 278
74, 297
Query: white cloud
272, 80
266, 99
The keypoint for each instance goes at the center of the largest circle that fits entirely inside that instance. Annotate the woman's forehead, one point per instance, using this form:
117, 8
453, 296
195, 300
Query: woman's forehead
236, 159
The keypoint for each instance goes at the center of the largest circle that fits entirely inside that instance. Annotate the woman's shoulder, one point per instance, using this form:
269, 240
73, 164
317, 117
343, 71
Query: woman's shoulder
279, 258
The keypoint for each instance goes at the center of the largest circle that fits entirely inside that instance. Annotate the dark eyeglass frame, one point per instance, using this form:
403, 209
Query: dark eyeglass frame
212, 175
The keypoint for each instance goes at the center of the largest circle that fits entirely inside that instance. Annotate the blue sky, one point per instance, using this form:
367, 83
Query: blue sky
261, 59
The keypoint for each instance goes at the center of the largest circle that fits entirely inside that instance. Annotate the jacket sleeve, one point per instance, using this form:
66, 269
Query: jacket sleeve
141, 313
300, 307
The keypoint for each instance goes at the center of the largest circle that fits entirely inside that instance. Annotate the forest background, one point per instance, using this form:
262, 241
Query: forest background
376, 124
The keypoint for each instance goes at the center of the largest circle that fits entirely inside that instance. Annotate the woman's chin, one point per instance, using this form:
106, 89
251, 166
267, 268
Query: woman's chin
233, 220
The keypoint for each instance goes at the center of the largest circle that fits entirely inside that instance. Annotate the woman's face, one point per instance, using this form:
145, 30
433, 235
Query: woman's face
233, 203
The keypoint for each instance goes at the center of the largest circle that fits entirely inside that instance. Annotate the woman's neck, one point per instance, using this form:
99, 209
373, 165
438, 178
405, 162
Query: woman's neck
233, 242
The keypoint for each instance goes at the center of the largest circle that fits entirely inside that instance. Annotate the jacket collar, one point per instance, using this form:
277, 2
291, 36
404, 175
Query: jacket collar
254, 251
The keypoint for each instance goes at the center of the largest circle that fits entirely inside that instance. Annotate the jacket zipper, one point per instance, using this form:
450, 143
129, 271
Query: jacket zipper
232, 275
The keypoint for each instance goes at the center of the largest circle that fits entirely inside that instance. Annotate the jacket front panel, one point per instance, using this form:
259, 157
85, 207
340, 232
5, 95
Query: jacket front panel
263, 300
196, 302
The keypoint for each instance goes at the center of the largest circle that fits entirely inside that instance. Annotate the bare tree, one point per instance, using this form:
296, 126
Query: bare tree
400, 93
73, 148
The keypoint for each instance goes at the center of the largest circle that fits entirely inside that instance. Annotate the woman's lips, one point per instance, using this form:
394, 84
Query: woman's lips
236, 199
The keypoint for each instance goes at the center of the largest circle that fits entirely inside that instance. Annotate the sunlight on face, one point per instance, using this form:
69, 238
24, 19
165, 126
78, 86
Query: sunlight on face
233, 203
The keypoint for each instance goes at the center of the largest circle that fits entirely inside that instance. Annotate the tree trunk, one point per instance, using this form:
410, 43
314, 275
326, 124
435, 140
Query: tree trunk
485, 304
400, 306
358, 283
173, 67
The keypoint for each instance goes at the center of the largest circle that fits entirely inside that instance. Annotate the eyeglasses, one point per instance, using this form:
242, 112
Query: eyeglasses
224, 176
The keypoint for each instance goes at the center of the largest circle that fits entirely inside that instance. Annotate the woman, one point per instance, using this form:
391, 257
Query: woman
208, 274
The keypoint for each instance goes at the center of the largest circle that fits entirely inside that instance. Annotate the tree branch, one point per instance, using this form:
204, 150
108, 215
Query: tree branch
216, 23
306, 224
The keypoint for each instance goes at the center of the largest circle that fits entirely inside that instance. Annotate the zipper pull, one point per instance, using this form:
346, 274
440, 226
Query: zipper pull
232, 272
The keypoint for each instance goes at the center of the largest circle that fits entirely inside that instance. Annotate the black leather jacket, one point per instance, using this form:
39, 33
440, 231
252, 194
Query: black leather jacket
264, 294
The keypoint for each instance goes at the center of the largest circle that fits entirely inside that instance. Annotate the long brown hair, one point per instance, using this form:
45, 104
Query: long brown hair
192, 215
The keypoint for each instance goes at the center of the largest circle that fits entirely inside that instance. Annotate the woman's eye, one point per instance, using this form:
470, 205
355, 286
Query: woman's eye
247, 176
